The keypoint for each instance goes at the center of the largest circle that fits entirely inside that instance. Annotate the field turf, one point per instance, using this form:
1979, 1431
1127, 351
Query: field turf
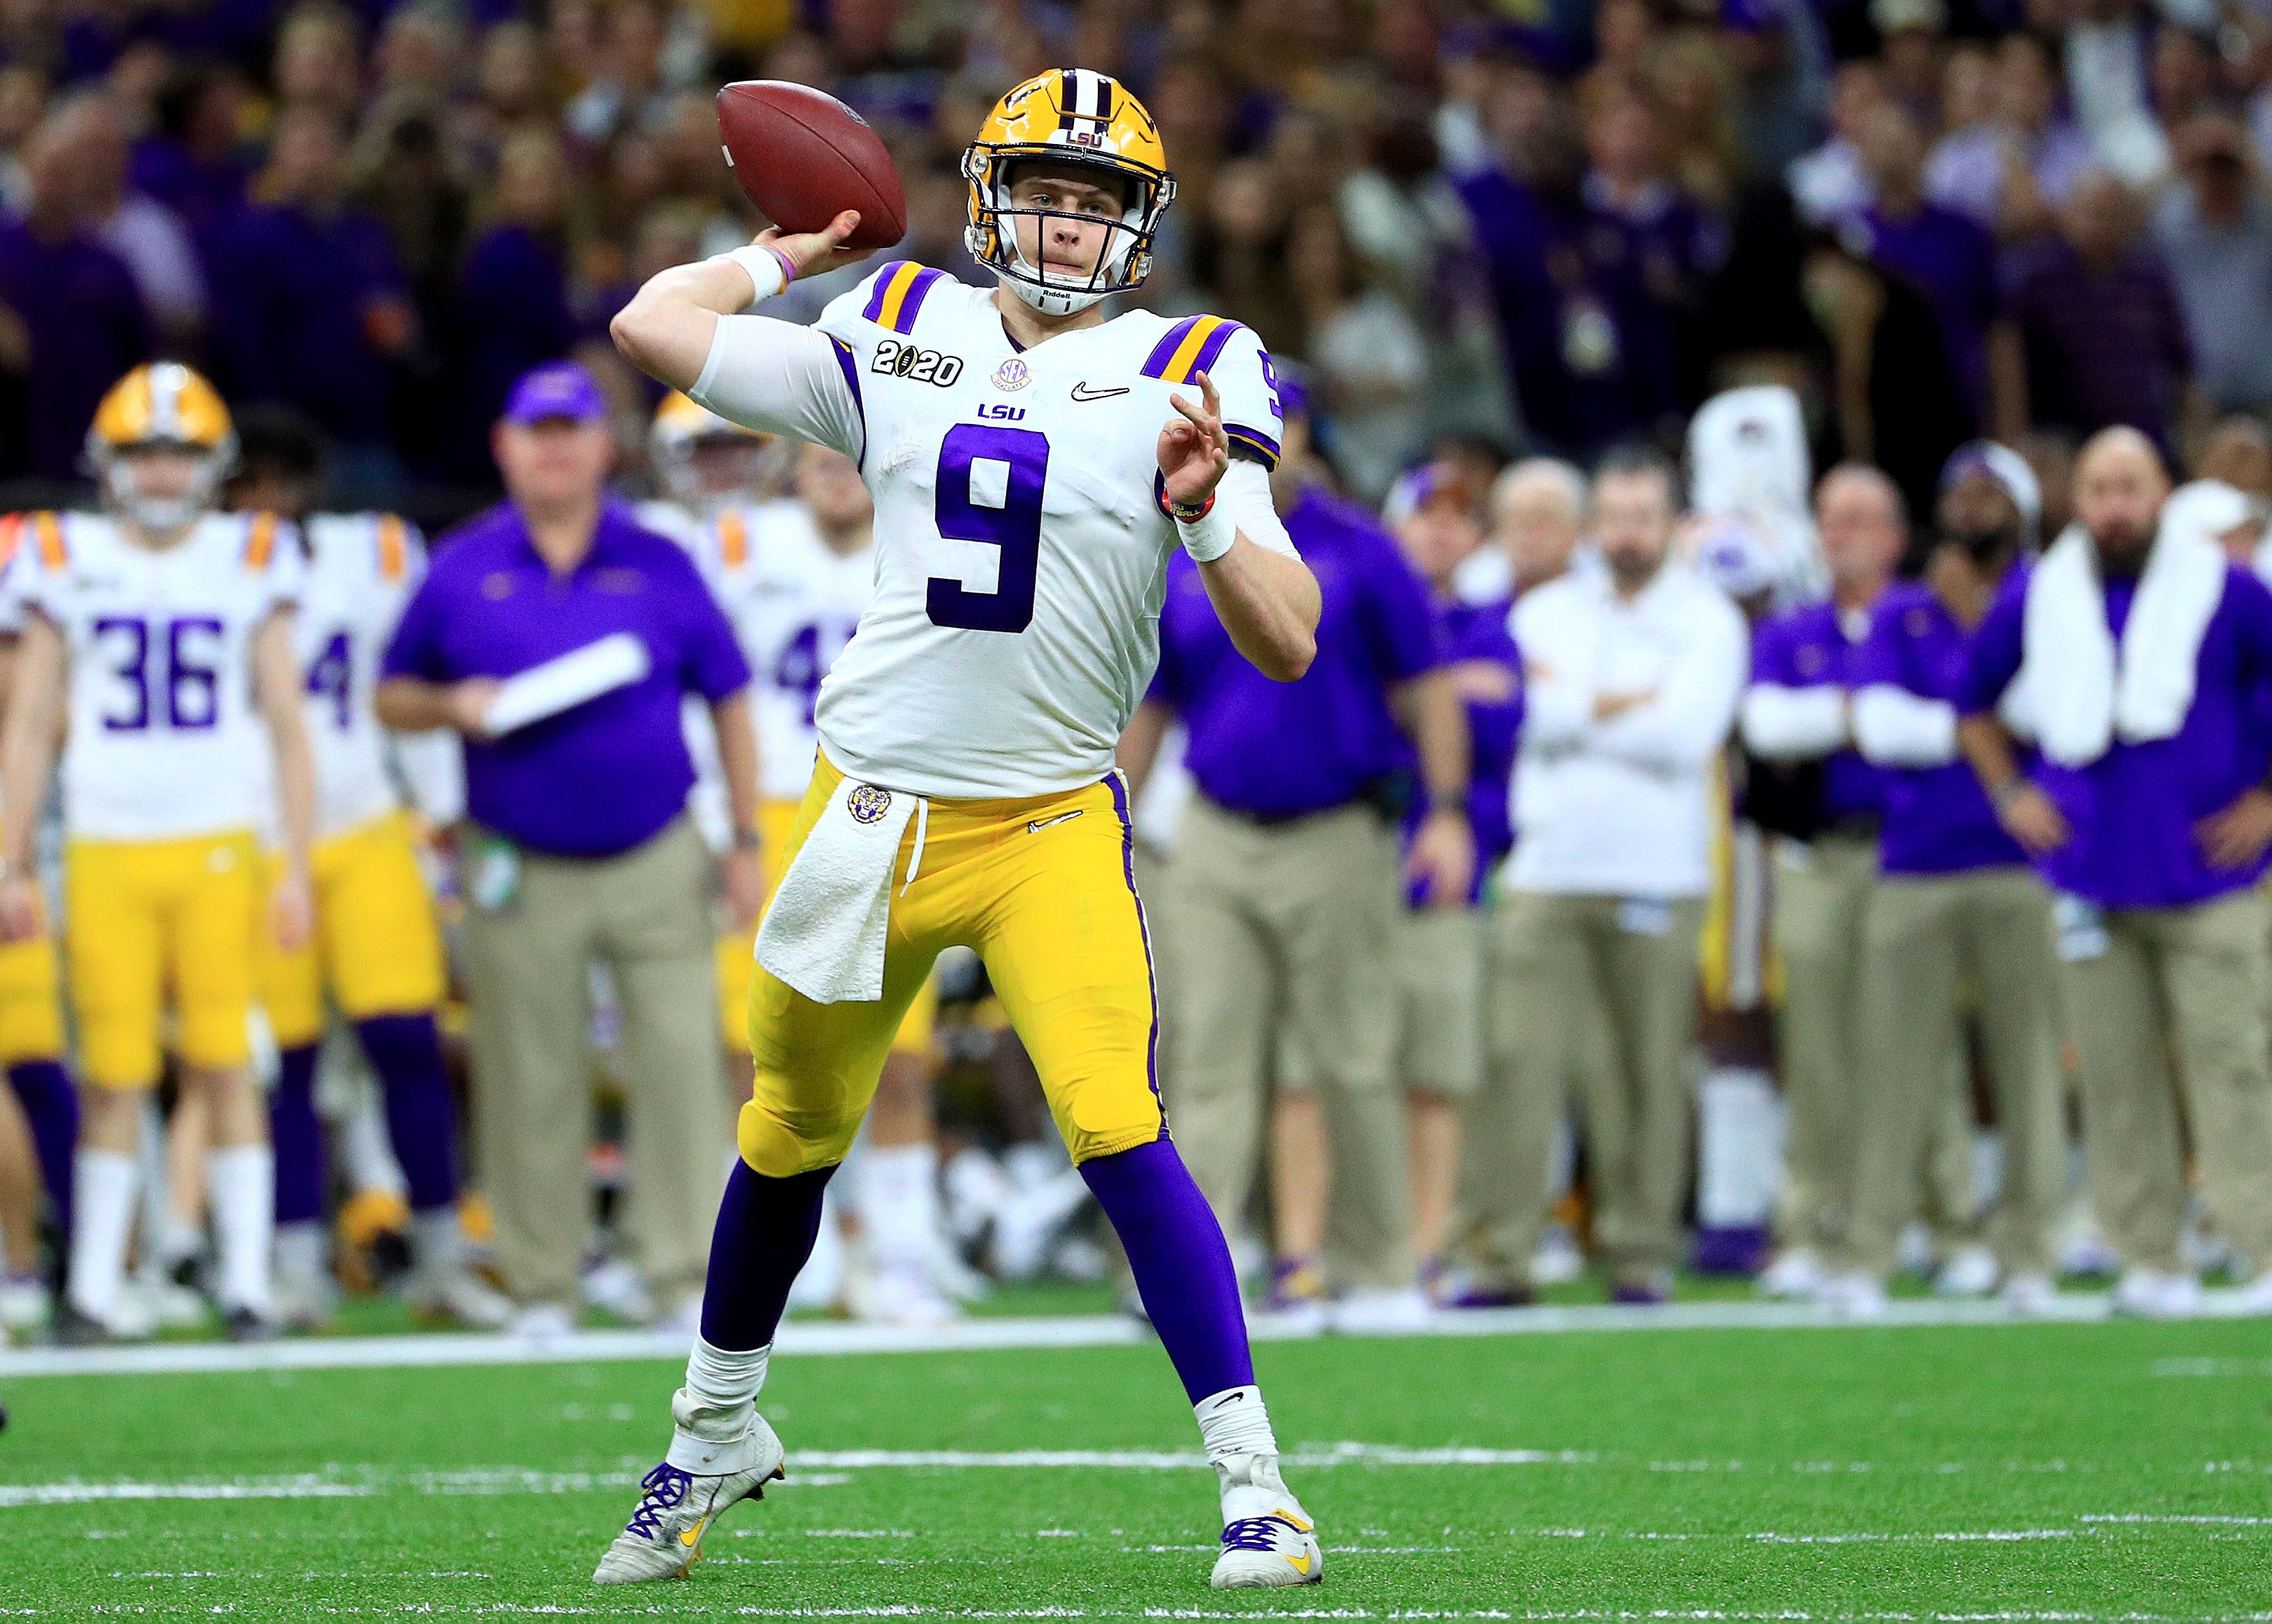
2023, 1472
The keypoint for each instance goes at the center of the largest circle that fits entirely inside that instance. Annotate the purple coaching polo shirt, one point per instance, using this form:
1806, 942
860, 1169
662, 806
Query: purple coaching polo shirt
608, 775
2132, 810
1284, 750
1808, 648
1936, 819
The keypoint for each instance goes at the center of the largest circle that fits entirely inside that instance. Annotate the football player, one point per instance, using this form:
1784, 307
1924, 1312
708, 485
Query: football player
377, 948
32, 1048
157, 638
1033, 466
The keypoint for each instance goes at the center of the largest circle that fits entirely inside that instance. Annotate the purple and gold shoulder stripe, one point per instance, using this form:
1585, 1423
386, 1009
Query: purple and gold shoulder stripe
900, 291
1192, 346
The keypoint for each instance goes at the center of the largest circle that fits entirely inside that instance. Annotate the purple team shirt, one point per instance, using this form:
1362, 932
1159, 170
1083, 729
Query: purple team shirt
1936, 819
610, 774
1808, 648
2132, 810
1284, 750
1479, 634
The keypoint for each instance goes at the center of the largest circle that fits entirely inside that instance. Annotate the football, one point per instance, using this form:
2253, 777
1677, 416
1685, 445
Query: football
803, 158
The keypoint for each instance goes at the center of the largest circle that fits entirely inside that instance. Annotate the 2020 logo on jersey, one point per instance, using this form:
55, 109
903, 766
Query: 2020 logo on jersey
894, 359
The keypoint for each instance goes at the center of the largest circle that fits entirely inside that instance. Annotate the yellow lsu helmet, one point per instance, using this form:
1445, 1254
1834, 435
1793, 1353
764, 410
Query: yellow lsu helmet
162, 404
680, 426
1067, 115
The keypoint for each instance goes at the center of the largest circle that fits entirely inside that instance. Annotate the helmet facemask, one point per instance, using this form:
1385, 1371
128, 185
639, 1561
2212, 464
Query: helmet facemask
161, 514
992, 235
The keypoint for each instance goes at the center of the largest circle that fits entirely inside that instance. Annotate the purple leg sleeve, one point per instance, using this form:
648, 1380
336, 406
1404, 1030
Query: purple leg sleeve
765, 1233
44, 1090
1181, 1262
298, 1133
422, 1119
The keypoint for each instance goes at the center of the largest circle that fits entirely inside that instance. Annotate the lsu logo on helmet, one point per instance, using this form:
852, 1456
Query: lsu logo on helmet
1067, 115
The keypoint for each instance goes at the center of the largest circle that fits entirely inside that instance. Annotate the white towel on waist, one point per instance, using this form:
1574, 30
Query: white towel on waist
2076, 692
823, 933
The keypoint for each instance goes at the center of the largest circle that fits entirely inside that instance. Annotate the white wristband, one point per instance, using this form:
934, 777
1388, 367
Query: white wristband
1208, 536
768, 271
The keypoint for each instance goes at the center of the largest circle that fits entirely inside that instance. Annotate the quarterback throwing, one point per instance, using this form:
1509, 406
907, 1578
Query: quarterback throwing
1032, 465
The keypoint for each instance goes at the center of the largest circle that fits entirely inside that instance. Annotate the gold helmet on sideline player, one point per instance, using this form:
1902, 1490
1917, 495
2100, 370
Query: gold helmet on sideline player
701, 462
161, 410
1067, 115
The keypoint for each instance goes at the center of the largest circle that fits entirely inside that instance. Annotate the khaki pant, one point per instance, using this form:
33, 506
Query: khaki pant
2194, 980
646, 915
1620, 974
1822, 893
1926, 938
1439, 992
1282, 932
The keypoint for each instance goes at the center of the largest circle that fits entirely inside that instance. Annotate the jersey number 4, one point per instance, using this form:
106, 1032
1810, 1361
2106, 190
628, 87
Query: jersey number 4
990, 491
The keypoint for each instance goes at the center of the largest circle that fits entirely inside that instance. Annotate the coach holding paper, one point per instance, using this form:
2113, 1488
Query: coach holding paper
578, 846
2140, 660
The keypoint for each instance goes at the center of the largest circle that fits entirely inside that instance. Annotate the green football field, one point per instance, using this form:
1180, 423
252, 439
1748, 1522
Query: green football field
1969, 1473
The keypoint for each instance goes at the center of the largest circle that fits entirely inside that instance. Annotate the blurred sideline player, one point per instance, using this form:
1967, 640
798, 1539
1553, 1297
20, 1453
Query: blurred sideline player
794, 576
159, 637
376, 949
43, 1108
1033, 466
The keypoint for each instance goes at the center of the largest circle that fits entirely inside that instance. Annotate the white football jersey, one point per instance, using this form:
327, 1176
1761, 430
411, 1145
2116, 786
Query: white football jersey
165, 739
795, 602
360, 571
1021, 548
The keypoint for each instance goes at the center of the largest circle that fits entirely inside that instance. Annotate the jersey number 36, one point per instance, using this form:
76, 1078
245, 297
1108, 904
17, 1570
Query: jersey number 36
990, 491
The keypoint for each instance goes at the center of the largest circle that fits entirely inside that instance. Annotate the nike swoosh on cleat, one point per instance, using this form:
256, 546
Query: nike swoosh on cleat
1301, 1563
1035, 829
693, 1536
1082, 391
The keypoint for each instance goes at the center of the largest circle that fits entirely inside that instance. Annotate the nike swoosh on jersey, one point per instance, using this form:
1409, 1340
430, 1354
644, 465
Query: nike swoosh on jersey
1035, 829
1082, 391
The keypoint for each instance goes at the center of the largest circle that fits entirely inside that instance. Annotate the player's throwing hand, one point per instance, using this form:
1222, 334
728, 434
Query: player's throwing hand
810, 250
1195, 451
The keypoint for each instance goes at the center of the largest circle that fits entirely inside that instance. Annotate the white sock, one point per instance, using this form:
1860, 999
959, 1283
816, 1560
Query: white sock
243, 1202
102, 1213
1234, 1422
437, 1243
300, 1250
897, 1204
711, 1412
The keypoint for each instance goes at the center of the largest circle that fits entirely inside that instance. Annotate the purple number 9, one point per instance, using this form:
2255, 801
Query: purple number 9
1015, 526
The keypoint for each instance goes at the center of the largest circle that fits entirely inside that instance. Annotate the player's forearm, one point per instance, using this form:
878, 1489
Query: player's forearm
666, 330
408, 705
1989, 749
296, 787
1139, 744
30, 738
1430, 712
1269, 604
737, 757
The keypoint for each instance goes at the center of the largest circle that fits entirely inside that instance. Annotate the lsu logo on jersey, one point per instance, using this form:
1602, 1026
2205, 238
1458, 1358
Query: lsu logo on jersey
925, 366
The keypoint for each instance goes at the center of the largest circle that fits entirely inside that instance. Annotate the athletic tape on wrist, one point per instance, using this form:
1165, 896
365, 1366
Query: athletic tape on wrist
1208, 536
769, 268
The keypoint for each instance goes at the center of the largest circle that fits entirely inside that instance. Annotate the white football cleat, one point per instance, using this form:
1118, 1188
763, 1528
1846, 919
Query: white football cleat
25, 1306
2031, 1297
1381, 1311
1268, 1541
663, 1539
457, 1295
1857, 1295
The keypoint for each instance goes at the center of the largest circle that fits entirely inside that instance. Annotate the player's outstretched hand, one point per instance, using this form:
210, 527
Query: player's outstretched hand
291, 913
22, 914
744, 880
1195, 451
814, 252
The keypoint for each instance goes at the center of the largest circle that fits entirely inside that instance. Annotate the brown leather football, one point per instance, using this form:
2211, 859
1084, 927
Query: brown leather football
803, 158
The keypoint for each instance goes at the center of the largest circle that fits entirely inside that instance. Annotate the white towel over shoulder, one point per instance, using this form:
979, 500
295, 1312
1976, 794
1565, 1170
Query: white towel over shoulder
2077, 693
825, 933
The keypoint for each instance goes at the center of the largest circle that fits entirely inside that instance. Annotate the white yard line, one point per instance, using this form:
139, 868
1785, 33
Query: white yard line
811, 1338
